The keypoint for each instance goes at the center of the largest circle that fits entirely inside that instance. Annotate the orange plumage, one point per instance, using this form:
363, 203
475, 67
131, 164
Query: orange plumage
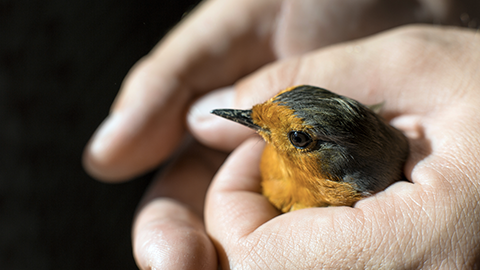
322, 149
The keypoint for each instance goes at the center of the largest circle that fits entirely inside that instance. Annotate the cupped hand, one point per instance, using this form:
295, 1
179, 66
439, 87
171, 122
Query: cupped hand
214, 47
428, 79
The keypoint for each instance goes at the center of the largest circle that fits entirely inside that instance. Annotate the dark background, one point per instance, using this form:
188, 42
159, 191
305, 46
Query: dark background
61, 65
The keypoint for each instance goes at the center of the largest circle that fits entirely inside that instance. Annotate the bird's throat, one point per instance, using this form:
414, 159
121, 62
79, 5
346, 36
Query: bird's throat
292, 184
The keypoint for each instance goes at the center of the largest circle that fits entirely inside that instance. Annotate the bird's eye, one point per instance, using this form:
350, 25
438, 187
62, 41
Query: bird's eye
299, 139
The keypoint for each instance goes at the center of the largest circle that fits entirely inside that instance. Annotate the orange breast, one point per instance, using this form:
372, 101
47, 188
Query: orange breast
291, 184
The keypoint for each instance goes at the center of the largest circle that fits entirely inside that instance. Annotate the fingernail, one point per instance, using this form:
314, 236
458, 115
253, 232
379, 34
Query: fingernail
103, 139
222, 98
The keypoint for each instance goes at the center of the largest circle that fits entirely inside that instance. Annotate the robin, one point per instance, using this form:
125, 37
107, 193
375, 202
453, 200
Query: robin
322, 149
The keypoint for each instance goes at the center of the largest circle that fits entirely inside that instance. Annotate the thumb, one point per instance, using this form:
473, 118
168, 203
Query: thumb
218, 132
323, 68
388, 68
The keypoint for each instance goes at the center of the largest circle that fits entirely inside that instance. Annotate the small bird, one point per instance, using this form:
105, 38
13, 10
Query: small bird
322, 149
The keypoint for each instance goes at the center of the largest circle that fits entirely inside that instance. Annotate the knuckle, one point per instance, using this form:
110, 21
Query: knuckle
407, 48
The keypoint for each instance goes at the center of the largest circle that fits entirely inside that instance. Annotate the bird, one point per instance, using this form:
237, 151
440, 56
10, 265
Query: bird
322, 149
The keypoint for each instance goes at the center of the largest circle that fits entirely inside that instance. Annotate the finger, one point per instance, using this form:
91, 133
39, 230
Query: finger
211, 130
167, 235
147, 119
371, 70
248, 232
243, 224
234, 203
168, 231
308, 25
262, 85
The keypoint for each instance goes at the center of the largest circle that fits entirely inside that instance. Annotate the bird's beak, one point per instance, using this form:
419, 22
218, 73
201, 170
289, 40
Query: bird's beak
243, 117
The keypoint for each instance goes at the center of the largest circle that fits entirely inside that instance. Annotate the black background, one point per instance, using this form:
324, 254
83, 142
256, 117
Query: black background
61, 65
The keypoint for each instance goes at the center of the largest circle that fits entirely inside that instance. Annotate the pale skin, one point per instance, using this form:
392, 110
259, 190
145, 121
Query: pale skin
427, 76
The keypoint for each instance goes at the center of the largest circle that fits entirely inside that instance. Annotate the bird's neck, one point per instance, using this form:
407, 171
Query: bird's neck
296, 170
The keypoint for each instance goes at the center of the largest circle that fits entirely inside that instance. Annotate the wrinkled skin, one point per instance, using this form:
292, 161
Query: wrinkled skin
427, 76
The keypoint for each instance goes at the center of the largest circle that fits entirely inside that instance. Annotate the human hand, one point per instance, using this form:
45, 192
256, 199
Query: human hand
218, 44
427, 77
232, 39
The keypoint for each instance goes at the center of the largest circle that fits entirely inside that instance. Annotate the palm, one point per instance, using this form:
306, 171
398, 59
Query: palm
390, 226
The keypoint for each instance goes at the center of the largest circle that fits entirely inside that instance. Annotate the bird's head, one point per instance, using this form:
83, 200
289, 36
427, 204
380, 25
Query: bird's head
345, 138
